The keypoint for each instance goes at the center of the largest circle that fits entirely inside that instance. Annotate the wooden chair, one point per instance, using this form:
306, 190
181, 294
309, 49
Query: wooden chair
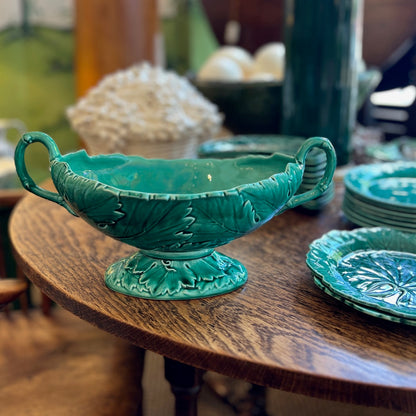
53, 363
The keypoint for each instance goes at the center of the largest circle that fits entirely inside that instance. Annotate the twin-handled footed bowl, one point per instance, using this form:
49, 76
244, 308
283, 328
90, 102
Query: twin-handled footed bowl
175, 211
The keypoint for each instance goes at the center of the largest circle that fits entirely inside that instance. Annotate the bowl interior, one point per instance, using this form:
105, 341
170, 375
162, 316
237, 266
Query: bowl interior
180, 176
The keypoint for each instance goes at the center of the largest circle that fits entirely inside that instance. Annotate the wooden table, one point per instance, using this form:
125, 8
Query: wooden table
279, 330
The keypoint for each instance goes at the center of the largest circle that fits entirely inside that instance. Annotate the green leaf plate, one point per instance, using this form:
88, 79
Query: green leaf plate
377, 210
367, 218
391, 185
361, 308
372, 267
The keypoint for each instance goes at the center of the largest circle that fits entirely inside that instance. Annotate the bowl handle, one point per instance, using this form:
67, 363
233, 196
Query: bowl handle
322, 185
27, 182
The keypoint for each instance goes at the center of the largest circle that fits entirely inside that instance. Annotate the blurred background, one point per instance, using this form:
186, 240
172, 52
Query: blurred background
53, 51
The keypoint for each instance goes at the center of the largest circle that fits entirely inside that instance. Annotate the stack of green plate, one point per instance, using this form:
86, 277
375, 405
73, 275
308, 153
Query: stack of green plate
382, 194
314, 170
268, 144
370, 269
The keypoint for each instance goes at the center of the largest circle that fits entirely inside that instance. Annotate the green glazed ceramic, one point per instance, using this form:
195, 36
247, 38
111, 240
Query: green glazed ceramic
367, 217
319, 94
267, 144
368, 311
362, 220
378, 212
175, 211
402, 148
260, 144
388, 185
371, 267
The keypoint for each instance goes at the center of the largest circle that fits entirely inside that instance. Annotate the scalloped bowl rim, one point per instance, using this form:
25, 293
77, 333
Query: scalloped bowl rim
292, 165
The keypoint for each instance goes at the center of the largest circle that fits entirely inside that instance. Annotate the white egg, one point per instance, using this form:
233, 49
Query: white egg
220, 68
237, 54
270, 58
261, 76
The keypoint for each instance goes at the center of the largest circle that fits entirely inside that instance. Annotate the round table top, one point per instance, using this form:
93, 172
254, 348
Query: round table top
279, 330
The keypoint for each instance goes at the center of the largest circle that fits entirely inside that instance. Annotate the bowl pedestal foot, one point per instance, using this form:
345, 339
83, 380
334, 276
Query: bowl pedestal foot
175, 276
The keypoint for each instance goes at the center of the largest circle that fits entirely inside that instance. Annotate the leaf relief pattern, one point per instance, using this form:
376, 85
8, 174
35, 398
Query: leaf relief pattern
270, 196
167, 223
385, 275
97, 203
143, 276
327, 251
222, 219
155, 224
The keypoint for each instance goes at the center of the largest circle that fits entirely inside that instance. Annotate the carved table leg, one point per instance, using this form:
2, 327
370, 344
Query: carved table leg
185, 382
243, 398
258, 399
140, 357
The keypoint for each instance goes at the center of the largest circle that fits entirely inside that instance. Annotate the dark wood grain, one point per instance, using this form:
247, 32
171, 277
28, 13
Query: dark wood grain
279, 330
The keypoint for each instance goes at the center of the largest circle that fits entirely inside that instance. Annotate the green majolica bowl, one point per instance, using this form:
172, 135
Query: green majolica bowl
175, 211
